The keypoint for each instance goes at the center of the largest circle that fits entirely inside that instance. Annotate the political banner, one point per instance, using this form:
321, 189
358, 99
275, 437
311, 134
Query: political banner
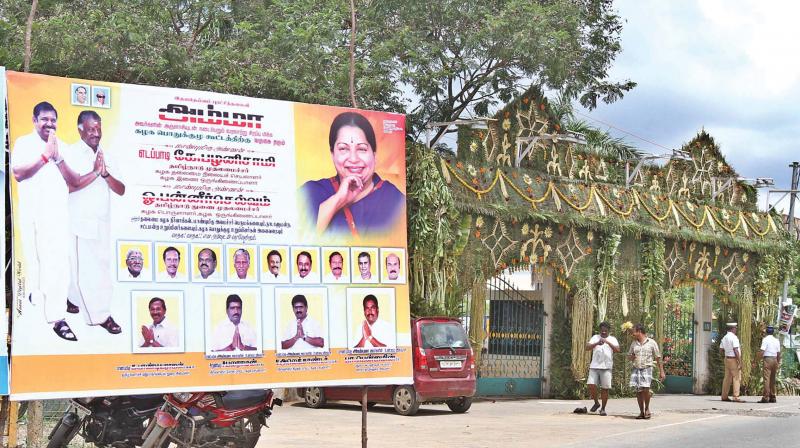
177, 240
4, 321
786, 317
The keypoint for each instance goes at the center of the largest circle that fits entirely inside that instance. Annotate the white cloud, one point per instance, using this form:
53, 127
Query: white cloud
729, 66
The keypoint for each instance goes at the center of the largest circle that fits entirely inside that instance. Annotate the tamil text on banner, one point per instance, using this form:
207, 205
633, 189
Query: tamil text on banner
170, 240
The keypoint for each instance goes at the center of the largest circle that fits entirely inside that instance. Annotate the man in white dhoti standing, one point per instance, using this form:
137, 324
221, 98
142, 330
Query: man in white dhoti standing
90, 204
42, 177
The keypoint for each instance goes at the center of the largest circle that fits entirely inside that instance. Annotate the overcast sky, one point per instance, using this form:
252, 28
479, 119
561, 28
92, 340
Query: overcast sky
729, 66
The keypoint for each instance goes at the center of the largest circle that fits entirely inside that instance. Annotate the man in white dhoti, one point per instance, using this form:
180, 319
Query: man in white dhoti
90, 205
42, 179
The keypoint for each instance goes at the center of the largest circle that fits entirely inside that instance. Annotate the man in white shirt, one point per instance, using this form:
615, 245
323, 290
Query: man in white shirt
134, 261
336, 263
207, 264
304, 333
603, 347
274, 261
375, 333
730, 348
241, 263
43, 180
770, 352
233, 334
365, 265
90, 206
393, 266
161, 333
172, 260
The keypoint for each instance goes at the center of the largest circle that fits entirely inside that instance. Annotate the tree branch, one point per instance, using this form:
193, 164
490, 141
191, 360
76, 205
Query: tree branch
353, 53
28, 31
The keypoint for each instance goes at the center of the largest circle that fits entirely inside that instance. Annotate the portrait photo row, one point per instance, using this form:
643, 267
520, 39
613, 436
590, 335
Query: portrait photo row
175, 262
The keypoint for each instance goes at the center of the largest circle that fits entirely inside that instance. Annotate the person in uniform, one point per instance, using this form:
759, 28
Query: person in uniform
730, 348
770, 353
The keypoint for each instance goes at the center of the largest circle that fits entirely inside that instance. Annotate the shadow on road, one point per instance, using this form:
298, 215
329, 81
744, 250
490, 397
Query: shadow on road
378, 409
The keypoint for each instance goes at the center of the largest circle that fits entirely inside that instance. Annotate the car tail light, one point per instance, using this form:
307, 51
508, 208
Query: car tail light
471, 359
422, 359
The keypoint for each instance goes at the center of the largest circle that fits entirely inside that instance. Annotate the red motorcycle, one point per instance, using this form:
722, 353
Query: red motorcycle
211, 419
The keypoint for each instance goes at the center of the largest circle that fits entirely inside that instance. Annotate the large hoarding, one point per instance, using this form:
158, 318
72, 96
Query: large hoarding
169, 240
4, 320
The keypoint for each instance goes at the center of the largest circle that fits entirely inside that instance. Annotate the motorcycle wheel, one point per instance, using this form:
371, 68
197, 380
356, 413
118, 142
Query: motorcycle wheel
158, 438
251, 427
64, 432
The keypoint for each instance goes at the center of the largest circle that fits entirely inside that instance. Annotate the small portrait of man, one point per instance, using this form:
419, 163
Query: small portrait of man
171, 266
393, 269
365, 270
241, 270
101, 97
135, 262
273, 269
206, 265
302, 332
159, 315
306, 269
337, 268
80, 94
373, 318
234, 334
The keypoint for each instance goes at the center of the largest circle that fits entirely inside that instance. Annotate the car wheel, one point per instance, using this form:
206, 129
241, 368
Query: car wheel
405, 400
315, 397
459, 405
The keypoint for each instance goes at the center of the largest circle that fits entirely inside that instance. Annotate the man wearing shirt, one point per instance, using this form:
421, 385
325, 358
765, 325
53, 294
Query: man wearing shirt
303, 333
161, 333
644, 353
770, 352
603, 347
233, 334
375, 333
43, 180
730, 348
90, 222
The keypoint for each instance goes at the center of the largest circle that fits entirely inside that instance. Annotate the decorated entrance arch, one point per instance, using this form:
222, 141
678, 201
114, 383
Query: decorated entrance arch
619, 236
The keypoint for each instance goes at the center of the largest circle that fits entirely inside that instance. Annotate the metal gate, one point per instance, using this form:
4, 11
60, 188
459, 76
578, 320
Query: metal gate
678, 350
512, 360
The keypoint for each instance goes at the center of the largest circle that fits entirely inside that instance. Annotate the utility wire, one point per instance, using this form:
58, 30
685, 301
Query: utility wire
623, 130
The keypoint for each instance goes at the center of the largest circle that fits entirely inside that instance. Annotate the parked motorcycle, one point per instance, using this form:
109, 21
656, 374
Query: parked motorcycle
117, 422
211, 419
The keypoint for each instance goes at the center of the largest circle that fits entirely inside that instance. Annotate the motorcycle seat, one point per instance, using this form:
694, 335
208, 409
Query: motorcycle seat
238, 399
147, 401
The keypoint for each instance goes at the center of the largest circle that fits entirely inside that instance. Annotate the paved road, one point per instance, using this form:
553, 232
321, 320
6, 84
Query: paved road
683, 421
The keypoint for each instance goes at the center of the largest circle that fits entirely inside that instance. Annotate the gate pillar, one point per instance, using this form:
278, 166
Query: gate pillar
703, 301
546, 280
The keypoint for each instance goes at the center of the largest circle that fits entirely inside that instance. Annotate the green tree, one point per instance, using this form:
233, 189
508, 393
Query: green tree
436, 61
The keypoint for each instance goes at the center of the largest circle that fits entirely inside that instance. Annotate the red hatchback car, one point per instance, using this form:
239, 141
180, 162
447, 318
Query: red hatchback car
444, 372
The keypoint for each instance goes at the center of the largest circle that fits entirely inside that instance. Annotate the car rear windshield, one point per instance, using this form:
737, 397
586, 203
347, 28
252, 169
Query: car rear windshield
443, 335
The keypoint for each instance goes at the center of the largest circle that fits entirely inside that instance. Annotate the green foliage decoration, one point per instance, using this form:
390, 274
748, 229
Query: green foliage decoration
606, 270
653, 270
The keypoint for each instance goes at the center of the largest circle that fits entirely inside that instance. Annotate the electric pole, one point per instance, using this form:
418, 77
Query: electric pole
790, 226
